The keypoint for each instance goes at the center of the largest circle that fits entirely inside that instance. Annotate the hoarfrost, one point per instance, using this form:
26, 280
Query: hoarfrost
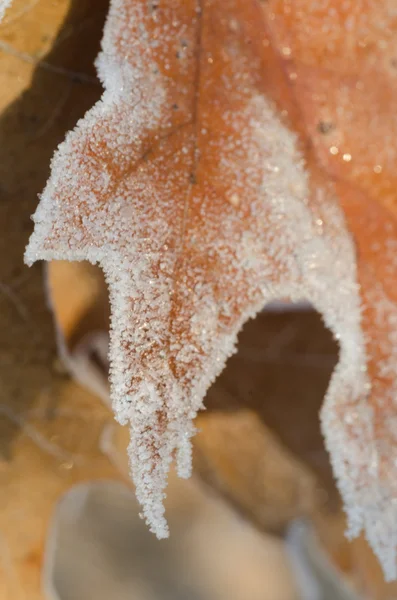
185, 186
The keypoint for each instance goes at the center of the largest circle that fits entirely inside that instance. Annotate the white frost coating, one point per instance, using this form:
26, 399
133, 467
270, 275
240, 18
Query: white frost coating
4, 4
378, 492
293, 244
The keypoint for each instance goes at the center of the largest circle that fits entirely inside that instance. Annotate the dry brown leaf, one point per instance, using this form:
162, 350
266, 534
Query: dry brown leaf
40, 432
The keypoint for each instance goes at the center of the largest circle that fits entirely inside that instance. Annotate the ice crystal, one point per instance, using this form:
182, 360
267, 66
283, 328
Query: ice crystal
186, 187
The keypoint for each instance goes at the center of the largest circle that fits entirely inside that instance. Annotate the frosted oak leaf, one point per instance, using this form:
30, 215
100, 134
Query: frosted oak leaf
187, 185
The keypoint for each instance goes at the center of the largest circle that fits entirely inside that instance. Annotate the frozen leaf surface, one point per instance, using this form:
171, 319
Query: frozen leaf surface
341, 65
194, 184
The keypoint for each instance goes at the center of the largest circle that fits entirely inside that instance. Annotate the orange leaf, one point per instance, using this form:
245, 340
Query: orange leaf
189, 187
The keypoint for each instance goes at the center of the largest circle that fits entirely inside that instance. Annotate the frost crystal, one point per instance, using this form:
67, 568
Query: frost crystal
183, 183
